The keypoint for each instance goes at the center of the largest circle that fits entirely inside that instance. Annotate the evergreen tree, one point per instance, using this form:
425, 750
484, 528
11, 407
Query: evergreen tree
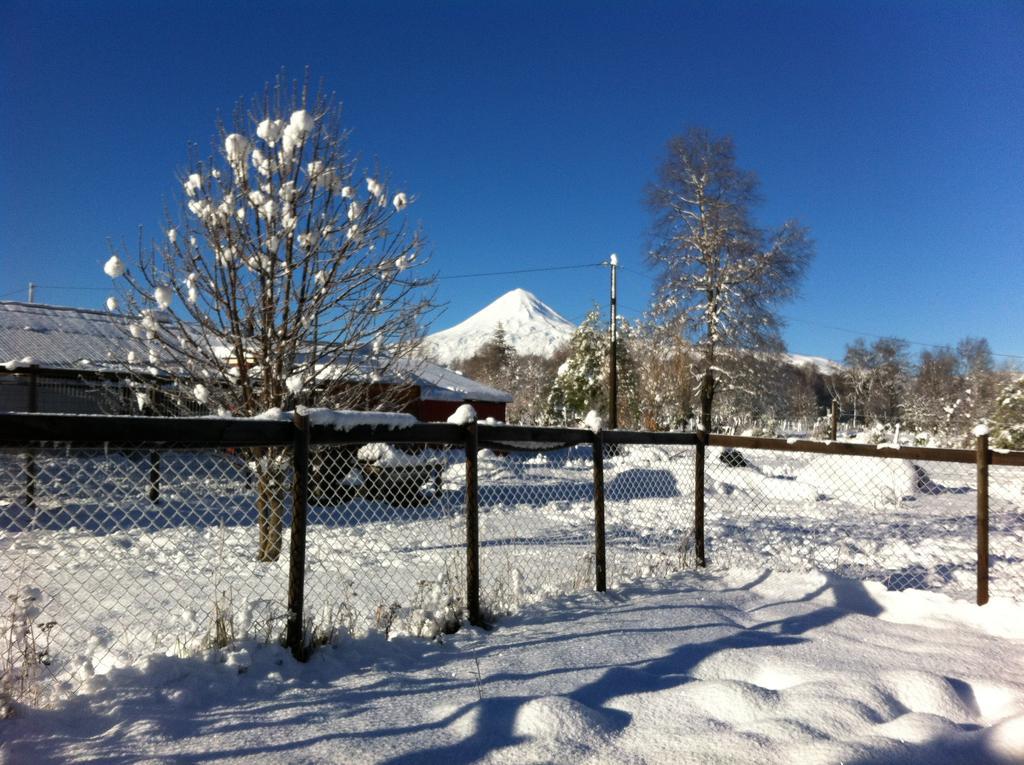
579, 385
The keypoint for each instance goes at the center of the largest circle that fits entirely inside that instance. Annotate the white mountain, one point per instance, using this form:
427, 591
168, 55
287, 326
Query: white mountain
530, 326
821, 365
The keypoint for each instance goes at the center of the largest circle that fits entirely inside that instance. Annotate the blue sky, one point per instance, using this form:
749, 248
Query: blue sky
528, 130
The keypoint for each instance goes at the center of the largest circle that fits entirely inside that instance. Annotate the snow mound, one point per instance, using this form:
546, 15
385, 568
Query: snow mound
561, 719
464, 415
530, 326
861, 478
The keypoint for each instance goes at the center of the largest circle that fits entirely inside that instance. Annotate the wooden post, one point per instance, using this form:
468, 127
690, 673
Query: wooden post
154, 476
31, 469
698, 498
472, 528
983, 462
834, 424
600, 582
297, 558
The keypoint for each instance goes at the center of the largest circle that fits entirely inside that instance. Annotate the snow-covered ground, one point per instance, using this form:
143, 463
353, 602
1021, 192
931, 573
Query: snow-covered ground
744, 666
121, 581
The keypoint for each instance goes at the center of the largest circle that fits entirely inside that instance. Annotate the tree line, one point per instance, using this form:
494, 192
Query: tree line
936, 398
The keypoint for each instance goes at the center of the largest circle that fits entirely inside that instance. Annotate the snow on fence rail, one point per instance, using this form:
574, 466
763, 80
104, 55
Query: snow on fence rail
126, 536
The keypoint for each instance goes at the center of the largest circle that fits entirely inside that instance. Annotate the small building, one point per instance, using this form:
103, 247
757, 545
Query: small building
73, 360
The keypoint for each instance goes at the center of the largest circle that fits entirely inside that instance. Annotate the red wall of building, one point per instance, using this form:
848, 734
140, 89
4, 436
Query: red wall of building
439, 411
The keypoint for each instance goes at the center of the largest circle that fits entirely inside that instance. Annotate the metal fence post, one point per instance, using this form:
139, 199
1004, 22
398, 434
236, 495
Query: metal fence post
297, 557
600, 582
983, 460
698, 498
472, 527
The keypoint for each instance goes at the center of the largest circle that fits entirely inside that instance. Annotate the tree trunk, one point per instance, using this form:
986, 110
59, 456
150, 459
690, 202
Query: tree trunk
270, 505
707, 396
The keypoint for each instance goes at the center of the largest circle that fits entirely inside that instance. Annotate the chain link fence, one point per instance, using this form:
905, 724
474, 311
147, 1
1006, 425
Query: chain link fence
112, 553
908, 524
385, 539
536, 525
649, 491
109, 555
1006, 531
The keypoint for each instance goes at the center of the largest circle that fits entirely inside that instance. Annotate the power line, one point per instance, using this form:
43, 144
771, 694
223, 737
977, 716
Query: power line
521, 271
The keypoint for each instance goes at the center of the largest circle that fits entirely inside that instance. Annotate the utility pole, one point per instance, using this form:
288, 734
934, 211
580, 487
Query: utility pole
613, 376
31, 292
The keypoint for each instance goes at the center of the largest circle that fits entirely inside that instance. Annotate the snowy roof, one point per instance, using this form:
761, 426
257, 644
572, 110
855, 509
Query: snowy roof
438, 383
64, 338
61, 337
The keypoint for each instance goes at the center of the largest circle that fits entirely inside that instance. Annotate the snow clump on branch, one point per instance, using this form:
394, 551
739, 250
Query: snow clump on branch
400, 201
301, 122
193, 184
163, 297
236, 148
113, 267
270, 130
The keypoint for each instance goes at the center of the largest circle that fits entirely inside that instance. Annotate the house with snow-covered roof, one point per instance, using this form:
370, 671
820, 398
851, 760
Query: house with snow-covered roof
72, 360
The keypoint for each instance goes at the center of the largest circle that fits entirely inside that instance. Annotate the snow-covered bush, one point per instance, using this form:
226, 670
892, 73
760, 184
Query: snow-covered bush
24, 647
1008, 418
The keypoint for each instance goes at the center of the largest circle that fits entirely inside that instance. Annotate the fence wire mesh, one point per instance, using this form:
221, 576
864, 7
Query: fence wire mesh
649, 493
536, 525
908, 524
386, 539
1006, 531
110, 555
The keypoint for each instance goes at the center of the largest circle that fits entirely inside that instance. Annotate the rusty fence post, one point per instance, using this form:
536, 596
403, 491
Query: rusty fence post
472, 527
983, 463
698, 498
600, 582
297, 558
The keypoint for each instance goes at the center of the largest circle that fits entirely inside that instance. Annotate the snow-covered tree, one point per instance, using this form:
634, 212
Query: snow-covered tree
662, 359
879, 377
285, 277
935, 391
1008, 416
719, 276
580, 385
495, 362
977, 370
531, 386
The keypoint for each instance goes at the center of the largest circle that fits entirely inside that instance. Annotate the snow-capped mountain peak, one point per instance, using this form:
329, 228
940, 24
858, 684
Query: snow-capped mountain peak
530, 326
